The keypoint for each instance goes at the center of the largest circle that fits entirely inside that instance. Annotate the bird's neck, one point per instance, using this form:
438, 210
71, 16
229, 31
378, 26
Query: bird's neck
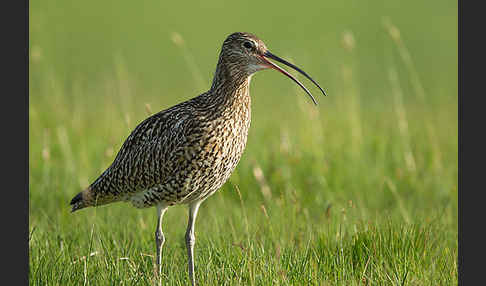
230, 87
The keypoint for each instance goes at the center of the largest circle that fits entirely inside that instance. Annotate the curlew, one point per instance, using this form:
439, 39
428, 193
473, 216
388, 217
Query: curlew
183, 154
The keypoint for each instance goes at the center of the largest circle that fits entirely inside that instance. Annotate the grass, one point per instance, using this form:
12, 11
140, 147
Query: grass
360, 190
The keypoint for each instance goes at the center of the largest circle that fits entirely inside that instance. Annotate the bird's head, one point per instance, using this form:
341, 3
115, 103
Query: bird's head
245, 53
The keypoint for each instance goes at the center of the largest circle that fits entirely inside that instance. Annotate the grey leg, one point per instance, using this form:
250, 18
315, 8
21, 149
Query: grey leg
159, 236
191, 239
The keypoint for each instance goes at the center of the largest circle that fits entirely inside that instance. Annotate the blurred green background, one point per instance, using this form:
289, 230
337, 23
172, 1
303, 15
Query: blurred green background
81, 41
382, 145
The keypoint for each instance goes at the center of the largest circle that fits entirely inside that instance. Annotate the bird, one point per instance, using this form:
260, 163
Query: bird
185, 153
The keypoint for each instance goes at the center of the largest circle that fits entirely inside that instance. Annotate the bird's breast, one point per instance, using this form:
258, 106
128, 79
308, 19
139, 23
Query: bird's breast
218, 153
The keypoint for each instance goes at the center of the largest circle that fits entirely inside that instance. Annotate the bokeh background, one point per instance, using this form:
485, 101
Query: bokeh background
381, 149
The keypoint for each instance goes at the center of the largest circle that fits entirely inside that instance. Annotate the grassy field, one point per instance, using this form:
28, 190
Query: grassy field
360, 190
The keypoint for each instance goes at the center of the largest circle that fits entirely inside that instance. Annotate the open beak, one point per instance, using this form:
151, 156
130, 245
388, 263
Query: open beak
267, 55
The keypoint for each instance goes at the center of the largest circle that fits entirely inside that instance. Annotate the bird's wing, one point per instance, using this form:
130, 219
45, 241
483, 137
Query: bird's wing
146, 158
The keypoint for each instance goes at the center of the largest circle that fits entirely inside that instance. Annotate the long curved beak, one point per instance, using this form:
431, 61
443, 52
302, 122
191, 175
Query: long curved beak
269, 55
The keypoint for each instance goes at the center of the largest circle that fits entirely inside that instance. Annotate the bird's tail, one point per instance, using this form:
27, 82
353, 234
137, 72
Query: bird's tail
81, 200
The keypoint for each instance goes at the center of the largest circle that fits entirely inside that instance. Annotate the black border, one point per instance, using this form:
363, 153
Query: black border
15, 144
471, 153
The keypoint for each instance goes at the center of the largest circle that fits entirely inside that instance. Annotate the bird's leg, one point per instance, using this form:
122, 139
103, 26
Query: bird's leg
191, 239
159, 237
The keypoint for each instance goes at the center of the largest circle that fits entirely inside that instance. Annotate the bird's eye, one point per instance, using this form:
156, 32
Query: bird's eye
248, 45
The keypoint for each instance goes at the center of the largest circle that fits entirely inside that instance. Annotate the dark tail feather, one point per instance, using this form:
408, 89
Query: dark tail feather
77, 202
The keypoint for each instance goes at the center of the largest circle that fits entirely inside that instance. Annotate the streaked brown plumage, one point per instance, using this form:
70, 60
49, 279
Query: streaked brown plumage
184, 154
